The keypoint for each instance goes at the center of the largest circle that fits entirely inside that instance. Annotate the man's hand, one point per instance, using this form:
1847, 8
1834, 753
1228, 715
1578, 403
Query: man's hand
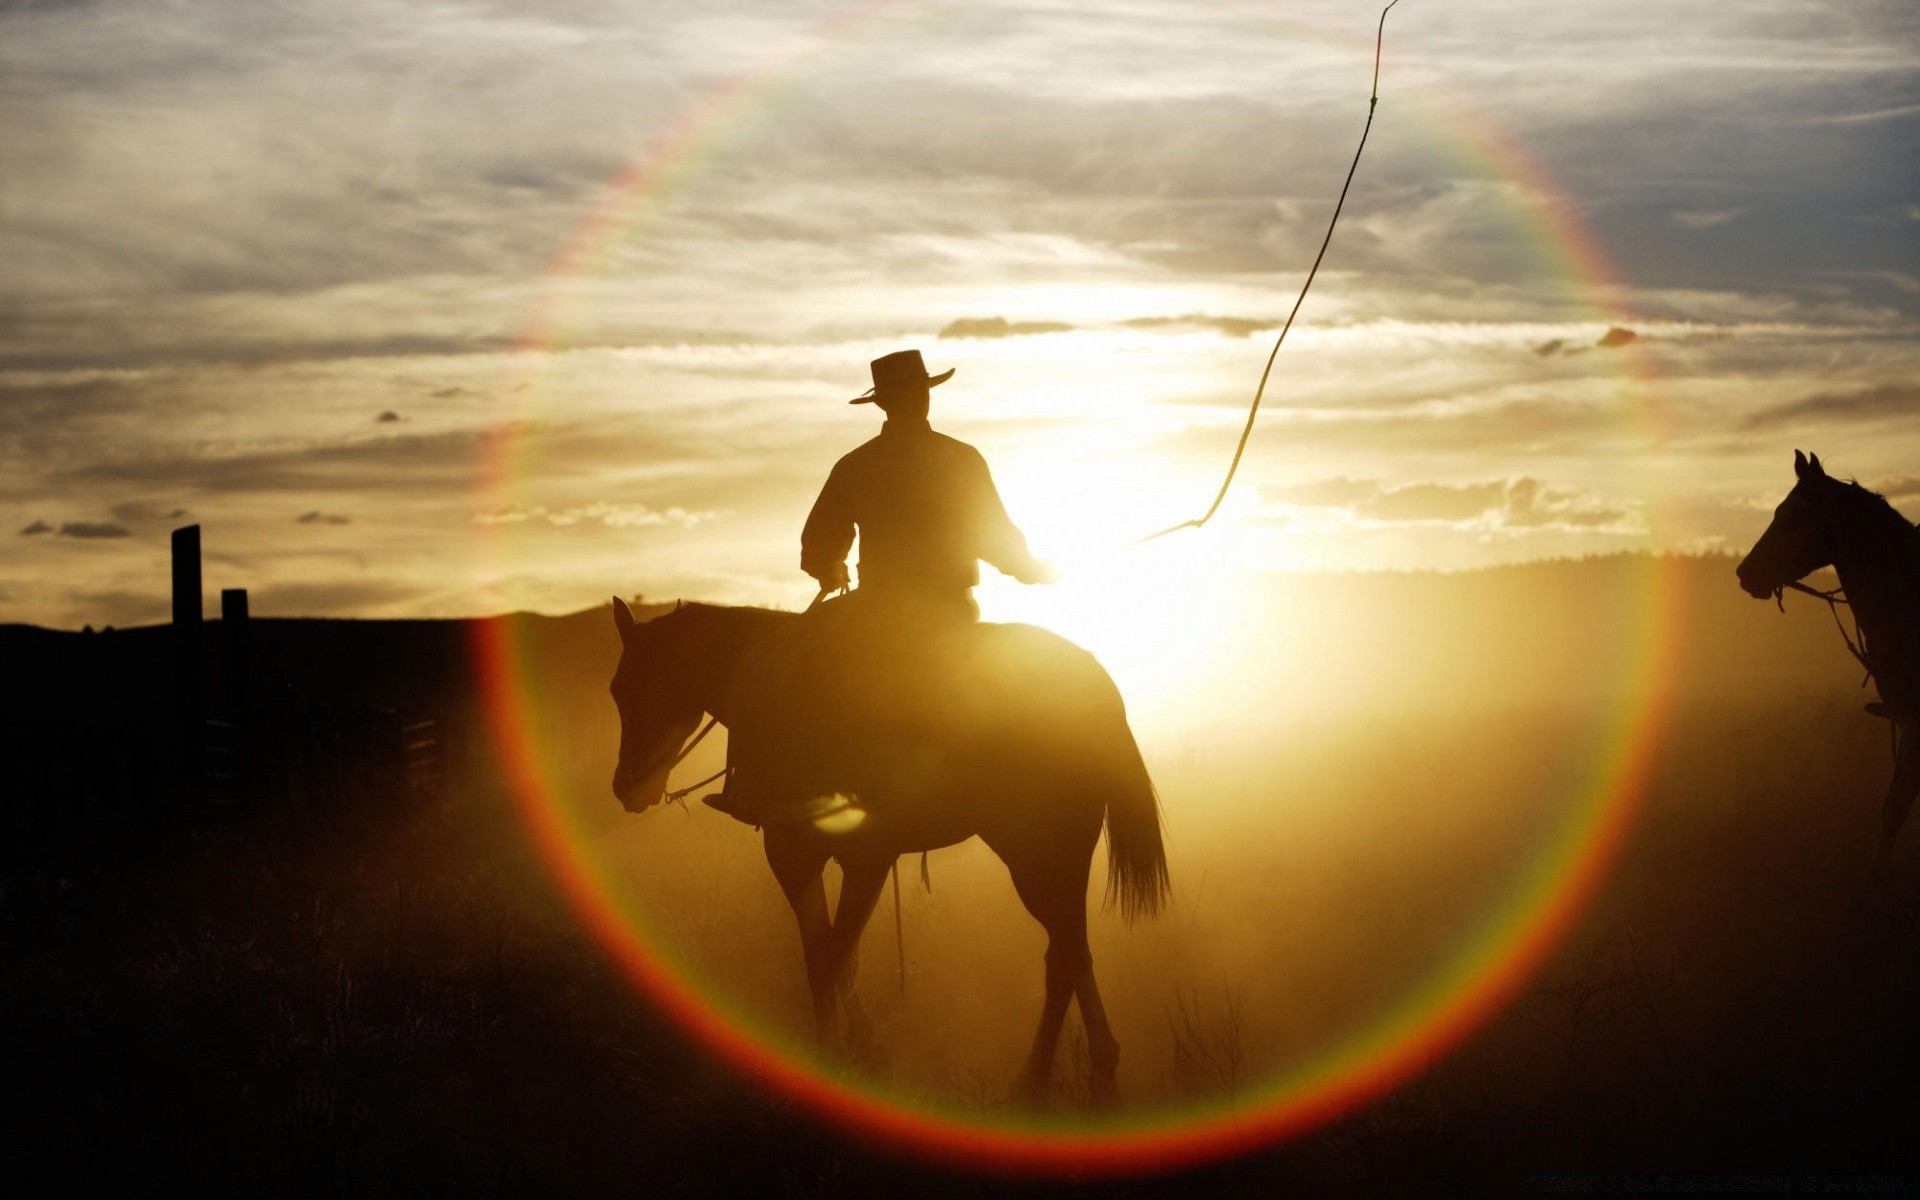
1038, 570
836, 579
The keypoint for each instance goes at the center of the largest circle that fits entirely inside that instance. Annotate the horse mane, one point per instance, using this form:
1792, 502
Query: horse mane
700, 612
1868, 499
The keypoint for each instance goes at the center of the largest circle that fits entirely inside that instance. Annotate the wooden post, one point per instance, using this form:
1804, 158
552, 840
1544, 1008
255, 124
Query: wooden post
236, 653
189, 683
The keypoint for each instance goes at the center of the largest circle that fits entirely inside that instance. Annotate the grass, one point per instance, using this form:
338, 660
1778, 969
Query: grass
354, 996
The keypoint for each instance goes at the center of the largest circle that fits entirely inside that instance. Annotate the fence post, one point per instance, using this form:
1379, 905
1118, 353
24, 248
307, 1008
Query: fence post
236, 653
189, 665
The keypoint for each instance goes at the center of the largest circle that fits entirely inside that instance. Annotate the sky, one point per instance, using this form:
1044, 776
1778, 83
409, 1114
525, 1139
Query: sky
435, 309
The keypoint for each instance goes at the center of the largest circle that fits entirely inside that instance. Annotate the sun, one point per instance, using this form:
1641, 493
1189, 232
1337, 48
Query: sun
1164, 617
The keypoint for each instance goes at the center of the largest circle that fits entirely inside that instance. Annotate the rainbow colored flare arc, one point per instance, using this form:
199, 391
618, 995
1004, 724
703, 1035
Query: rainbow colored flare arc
1424, 1025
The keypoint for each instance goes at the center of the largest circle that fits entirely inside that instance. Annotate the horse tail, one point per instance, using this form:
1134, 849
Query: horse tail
1136, 855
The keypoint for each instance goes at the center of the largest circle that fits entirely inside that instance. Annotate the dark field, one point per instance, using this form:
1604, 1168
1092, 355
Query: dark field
334, 988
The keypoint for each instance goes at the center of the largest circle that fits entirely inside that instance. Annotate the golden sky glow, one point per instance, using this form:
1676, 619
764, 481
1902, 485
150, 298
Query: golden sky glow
301, 276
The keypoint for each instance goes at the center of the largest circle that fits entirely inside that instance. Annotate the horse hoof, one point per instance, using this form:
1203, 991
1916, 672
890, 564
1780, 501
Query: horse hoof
1031, 1089
1103, 1087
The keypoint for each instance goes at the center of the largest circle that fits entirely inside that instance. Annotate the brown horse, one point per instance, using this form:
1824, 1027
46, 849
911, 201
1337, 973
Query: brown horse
1876, 553
1036, 783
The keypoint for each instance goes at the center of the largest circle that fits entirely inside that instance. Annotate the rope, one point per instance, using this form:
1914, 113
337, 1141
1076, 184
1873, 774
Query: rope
1856, 643
1856, 646
1253, 411
899, 928
679, 794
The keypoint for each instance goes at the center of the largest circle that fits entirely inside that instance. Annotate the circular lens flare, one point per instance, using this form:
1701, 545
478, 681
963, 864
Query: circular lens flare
1105, 600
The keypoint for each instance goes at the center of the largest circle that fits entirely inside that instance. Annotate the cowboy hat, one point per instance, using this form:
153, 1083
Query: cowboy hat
900, 369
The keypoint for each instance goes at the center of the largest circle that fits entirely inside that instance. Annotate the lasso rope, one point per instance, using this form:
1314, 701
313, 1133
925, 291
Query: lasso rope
1253, 411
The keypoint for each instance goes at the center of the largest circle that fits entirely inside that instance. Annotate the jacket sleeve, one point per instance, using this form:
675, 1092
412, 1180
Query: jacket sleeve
828, 533
1000, 542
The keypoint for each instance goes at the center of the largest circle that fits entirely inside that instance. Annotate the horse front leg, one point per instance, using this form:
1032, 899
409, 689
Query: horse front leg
1905, 784
859, 893
799, 866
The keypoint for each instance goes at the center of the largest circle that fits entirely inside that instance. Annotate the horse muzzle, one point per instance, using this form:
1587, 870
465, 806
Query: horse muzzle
1752, 586
639, 792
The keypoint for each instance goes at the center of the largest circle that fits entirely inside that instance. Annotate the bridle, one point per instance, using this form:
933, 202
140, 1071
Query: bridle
679, 795
1835, 598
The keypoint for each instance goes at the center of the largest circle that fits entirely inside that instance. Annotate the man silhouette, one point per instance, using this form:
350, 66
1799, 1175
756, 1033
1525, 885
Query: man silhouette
887, 654
924, 506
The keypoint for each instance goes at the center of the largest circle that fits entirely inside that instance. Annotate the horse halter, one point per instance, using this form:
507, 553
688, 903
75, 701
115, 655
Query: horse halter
679, 795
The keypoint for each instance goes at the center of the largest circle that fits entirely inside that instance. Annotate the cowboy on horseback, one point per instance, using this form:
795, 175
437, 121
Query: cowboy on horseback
923, 503
926, 512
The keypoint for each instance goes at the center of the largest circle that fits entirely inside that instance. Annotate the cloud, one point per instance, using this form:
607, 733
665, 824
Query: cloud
1236, 327
137, 512
1858, 118
94, 529
1898, 487
421, 462
1434, 502
316, 517
985, 328
1339, 492
35, 529
981, 328
390, 417
612, 516
1513, 505
1707, 219
1890, 401
1615, 337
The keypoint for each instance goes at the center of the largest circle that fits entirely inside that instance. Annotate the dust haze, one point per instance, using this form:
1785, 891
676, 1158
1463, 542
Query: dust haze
1355, 803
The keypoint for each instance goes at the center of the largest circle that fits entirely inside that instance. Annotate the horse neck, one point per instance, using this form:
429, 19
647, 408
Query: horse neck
1877, 557
720, 643
1878, 561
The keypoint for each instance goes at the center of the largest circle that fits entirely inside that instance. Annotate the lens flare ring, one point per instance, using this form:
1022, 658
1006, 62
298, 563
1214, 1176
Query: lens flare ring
1426, 1022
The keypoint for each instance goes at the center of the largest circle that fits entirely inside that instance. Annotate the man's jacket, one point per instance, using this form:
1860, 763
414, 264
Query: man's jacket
926, 511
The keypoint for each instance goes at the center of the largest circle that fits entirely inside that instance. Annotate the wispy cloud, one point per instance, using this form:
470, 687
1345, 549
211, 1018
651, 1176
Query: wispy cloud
93, 529
282, 298
1708, 219
1888, 402
999, 327
1512, 505
612, 516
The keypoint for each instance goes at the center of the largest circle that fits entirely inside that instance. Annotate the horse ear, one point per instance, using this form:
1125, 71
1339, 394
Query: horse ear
1813, 464
622, 617
1799, 465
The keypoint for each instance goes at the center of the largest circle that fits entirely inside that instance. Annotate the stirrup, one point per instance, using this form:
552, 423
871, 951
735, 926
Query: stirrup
733, 804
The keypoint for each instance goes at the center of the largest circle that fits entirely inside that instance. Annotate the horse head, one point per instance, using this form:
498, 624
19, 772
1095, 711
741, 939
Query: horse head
657, 711
1801, 538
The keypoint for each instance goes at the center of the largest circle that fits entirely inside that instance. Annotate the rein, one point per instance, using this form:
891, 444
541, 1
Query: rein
1856, 641
679, 795
1856, 646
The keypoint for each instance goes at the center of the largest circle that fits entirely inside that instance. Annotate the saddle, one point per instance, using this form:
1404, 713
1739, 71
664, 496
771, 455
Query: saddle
865, 698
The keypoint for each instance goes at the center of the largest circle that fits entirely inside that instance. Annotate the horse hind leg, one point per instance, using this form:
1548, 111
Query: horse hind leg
1062, 909
1103, 1049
